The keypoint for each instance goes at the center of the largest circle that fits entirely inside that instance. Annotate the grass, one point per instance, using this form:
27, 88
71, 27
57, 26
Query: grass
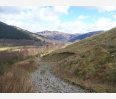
15, 69
16, 65
4, 48
17, 78
93, 64
13, 48
57, 56
90, 85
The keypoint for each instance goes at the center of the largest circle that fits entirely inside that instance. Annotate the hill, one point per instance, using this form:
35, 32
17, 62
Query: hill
90, 63
83, 36
57, 36
11, 35
66, 37
11, 32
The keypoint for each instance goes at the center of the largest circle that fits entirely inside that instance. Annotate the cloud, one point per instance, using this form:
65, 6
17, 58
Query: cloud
9, 10
81, 17
102, 24
114, 16
48, 14
79, 26
61, 9
72, 26
106, 8
25, 17
52, 13
37, 19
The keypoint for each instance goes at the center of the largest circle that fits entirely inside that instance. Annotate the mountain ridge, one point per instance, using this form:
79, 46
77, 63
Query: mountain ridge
66, 37
56, 35
85, 35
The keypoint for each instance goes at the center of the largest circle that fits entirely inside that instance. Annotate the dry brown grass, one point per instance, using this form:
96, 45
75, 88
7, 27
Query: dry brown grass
17, 79
9, 57
90, 85
15, 68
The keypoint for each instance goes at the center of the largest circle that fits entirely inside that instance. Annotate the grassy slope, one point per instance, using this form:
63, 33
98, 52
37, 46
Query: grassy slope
92, 64
15, 66
17, 78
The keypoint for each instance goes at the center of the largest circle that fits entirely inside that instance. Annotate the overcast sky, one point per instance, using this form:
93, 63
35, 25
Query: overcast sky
69, 19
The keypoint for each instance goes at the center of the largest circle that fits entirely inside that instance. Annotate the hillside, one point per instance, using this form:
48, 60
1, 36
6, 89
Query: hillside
90, 63
11, 32
57, 36
83, 36
66, 37
11, 35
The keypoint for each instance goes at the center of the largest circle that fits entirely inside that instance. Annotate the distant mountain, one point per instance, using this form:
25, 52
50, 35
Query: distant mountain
83, 36
57, 36
11, 35
65, 37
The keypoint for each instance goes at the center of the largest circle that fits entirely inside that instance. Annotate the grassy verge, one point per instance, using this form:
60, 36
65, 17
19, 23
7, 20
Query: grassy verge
17, 78
15, 69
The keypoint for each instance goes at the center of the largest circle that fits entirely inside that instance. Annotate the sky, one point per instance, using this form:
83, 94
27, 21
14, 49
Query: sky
68, 19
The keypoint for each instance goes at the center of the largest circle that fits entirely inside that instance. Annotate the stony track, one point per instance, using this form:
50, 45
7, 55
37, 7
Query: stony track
44, 81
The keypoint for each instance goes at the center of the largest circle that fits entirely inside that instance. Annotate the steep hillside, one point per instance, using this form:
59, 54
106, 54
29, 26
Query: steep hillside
90, 63
11, 35
11, 32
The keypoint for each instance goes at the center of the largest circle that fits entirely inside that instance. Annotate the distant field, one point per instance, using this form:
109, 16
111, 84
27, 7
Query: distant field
15, 48
9, 48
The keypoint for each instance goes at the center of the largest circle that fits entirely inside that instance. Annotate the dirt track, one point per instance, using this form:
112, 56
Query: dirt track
45, 81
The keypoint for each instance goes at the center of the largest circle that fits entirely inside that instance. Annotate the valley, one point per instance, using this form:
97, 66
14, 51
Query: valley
19, 50
57, 62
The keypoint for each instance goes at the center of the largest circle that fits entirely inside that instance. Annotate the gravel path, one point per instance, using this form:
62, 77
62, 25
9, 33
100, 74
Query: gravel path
45, 81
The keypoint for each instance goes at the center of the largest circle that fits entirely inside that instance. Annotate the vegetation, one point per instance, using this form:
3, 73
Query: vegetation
92, 64
15, 67
17, 78
11, 32
16, 64
8, 57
